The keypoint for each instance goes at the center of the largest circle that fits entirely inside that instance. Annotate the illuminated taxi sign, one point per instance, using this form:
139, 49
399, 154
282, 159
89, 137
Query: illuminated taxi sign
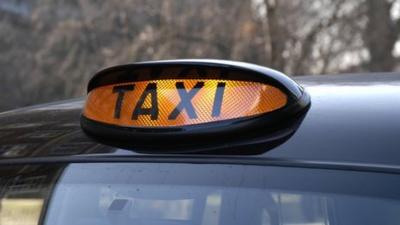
180, 102
190, 102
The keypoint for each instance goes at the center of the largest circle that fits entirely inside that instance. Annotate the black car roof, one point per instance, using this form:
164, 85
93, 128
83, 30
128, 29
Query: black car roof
353, 119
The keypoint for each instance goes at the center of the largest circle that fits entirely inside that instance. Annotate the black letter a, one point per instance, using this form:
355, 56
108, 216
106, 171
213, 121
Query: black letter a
151, 90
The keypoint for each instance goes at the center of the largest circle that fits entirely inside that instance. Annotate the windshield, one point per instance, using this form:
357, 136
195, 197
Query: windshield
50, 48
189, 194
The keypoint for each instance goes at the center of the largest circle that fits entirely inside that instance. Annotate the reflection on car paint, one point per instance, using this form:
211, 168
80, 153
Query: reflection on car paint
58, 134
15, 150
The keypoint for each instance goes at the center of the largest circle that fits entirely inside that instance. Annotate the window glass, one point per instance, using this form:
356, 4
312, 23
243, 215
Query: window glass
97, 194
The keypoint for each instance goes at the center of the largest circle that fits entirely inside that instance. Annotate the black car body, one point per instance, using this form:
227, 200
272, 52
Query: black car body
341, 166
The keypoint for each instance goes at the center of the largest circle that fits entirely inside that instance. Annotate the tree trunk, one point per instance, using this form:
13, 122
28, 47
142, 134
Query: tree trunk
276, 35
380, 36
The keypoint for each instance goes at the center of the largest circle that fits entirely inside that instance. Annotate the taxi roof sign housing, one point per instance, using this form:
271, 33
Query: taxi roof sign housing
190, 103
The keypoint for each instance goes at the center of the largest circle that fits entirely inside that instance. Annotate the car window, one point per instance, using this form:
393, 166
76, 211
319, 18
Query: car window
150, 193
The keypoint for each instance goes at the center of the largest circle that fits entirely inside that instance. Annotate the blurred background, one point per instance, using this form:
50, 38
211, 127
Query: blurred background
49, 49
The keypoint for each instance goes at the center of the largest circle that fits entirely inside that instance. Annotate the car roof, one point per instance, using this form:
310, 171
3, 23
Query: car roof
353, 119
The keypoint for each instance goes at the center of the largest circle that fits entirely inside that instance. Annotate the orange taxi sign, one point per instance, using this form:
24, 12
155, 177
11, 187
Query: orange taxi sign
187, 104
180, 102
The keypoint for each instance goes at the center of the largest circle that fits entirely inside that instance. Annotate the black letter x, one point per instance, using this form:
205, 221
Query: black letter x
186, 98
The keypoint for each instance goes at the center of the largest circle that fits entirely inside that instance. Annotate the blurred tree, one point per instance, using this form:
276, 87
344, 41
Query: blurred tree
50, 48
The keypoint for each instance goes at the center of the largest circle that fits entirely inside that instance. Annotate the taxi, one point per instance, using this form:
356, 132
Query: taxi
206, 142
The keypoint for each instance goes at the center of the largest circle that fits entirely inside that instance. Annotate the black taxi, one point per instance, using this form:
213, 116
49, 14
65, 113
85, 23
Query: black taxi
206, 142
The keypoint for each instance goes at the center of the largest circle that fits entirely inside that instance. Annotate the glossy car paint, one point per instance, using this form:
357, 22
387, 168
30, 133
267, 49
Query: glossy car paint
353, 121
